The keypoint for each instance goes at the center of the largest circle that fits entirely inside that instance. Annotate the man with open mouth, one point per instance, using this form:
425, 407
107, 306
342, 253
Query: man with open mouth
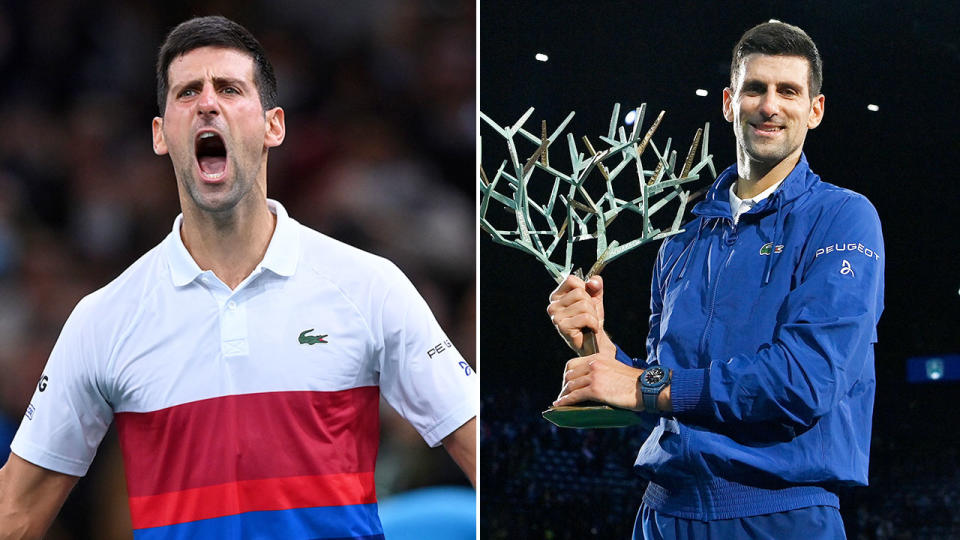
244, 357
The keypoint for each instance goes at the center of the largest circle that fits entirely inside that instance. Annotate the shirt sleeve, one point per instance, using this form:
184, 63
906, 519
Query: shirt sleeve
824, 337
422, 375
68, 415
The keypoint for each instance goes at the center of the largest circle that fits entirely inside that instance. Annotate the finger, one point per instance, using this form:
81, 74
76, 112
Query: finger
574, 363
578, 297
573, 326
573, 366
575, 373
572, 398
574, 385
565, 307
579, 382
572, 283
559, 314
594, 286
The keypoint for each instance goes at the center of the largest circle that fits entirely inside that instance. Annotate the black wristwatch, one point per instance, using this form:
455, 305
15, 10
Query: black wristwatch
652, 382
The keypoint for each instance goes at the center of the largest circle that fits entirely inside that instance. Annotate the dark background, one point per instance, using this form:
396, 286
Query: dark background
539, 482
380, 101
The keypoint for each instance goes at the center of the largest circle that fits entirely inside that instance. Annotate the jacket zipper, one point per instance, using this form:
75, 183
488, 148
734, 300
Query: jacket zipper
713, 299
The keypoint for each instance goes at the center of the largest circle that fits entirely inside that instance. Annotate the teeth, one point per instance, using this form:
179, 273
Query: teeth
215, 176
207, 135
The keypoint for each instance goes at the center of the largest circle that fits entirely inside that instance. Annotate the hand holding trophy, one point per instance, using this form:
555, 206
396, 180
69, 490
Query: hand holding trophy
580, 206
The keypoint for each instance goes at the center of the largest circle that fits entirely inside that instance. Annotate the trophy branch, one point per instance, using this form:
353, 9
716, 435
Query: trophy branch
542, 208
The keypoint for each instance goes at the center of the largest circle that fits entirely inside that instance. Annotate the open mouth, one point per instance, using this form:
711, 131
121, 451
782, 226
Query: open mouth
211, 155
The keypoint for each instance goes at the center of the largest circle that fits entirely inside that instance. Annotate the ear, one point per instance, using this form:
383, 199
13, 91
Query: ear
816, 112
159, 144
276, 128
728, 104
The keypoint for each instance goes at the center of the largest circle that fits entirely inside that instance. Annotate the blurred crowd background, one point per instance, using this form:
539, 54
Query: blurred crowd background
380, 105
567, 484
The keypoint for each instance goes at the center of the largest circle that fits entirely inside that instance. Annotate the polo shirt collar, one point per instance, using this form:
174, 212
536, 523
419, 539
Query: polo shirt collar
284, 249
281, 256
739, 206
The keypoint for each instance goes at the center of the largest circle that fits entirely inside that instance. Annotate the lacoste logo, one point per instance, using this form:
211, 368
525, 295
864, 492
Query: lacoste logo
847, 269
311, 340
768, 248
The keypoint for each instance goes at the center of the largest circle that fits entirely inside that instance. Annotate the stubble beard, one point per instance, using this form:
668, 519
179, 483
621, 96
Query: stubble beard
219, 202
769, 153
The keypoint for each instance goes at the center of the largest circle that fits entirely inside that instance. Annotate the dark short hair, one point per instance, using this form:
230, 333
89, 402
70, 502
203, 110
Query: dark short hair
215, 31
777, 38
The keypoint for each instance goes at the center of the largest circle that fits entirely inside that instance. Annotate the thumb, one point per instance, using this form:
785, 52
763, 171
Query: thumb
595, 287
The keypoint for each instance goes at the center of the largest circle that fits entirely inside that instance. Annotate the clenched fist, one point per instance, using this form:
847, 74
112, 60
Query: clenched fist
577, 305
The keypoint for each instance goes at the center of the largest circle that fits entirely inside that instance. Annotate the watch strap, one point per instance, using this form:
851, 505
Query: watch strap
650, 393
650, 400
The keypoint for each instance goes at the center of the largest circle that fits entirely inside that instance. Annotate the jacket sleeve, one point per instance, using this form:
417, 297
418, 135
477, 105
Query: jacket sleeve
822, 343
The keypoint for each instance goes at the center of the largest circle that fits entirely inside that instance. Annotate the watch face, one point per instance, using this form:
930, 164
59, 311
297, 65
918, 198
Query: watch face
653, 375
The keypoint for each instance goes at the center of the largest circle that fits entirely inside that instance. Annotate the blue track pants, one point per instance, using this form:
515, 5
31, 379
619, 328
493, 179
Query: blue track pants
813, 523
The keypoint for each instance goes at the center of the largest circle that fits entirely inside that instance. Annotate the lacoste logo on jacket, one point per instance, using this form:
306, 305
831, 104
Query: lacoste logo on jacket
311, 340
768, 248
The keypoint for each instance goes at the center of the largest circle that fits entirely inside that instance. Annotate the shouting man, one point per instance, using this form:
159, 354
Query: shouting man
242, 358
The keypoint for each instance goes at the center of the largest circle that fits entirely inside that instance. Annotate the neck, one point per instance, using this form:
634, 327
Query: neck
229, 243
754, 177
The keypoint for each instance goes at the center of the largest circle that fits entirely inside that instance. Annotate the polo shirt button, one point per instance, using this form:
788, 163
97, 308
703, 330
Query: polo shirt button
232, 305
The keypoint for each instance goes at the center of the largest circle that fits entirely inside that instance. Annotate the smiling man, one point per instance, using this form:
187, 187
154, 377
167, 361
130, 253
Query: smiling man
759, 376
243, 358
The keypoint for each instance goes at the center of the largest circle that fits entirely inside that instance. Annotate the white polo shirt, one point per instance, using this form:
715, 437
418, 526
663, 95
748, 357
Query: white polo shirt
233, 405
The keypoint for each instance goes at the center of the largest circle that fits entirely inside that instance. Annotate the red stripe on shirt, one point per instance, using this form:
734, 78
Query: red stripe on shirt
249, 437
252, 496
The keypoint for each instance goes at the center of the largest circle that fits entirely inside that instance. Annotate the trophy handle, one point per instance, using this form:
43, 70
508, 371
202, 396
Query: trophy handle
589, 342
590, 414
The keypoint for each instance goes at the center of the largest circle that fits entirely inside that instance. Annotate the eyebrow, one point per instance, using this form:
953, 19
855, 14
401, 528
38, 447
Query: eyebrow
756, 84
218, 82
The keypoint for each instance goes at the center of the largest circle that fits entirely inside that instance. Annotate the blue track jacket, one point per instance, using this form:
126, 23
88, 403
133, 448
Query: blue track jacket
768, 326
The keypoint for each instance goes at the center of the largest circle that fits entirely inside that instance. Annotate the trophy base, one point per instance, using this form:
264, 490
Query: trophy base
590, 416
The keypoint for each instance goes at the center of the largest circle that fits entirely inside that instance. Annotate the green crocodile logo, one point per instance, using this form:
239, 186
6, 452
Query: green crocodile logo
311, 340
768, 248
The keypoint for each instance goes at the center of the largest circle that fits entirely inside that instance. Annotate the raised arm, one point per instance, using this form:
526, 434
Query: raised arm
30, 497
462, 446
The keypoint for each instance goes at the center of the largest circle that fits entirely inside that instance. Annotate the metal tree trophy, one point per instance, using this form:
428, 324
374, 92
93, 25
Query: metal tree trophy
580, 206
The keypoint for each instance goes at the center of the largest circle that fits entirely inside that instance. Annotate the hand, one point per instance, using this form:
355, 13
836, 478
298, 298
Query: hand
576, 305
600, 377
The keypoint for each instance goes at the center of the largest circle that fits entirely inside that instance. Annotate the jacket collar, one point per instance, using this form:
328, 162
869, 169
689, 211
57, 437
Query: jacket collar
717, 202
281, 256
